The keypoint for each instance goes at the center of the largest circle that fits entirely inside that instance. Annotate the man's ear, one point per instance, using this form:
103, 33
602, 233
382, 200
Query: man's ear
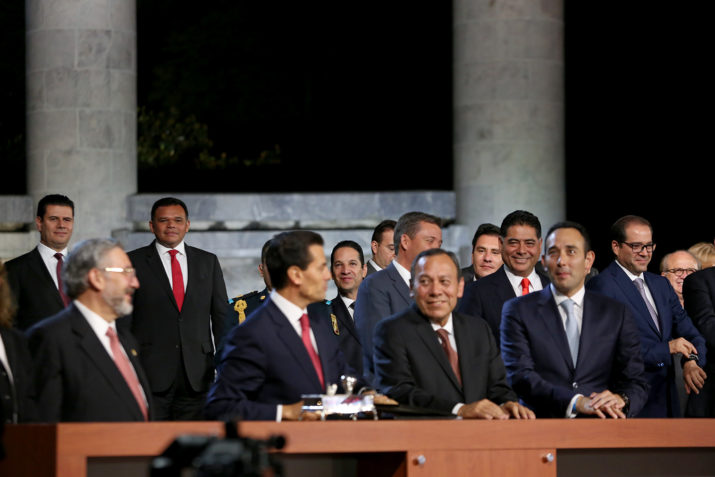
95, 279
295, 275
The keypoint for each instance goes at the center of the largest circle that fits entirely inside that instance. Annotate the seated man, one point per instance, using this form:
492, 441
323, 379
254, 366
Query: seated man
568, 351
430, 357
284, 349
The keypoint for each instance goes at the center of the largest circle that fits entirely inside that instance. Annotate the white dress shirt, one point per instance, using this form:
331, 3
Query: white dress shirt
48, 257
515, 280
632, 277
348, 302
577, 298
404, 273
180, 257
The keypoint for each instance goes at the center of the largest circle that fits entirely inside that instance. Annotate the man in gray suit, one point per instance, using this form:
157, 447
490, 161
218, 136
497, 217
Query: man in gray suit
387, 292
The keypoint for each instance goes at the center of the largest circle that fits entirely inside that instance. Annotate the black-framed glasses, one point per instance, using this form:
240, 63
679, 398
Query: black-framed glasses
681, 272
639, 247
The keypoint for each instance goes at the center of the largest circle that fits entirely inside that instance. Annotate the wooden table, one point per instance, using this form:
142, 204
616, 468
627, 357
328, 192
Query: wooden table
395, 448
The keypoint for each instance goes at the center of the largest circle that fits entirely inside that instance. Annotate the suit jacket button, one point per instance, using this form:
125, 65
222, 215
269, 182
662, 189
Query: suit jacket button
574, 385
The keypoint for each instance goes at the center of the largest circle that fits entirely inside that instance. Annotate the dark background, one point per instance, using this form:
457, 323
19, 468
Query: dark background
344, 97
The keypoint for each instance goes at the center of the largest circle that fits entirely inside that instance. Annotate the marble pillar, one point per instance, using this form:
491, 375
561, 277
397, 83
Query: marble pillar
508, 110
81, 108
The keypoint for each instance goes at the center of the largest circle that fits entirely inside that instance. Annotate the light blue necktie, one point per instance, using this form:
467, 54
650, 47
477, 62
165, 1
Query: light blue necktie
571, 329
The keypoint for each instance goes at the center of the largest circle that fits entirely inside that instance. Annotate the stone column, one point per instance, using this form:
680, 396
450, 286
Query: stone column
81, 108
508, 110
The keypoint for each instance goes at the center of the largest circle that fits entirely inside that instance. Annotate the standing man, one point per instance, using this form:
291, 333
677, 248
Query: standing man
520, 239
676, 266
386, 292
665, 329
569, 351
429, 357
382, 246
486, 253
699, 298
284, 349
34, 277
347, 267
183, 301
85, 368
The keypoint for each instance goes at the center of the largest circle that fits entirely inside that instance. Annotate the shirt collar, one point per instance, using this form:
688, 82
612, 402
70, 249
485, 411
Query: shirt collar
516, 279
291, 311
628, 272
98, 324
404, 273
47, 252
347, 301
449, 326
164, 250
577, 297
374, 264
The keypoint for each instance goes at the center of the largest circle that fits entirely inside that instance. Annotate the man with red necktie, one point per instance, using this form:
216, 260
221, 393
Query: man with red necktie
178, 313
85, 368
521, 249
35, 278
285, 348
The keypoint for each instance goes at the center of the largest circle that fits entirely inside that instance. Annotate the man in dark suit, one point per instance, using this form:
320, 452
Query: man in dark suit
348, 269
284, 349
388, 291
570, 352
665, 329
520, 241
382, 245
486, 253
33, 277
429, 357
179, 313
84, 369
699, 299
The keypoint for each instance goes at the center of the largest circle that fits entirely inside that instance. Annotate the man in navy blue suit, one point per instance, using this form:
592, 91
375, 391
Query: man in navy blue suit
387, 291
665, 328
520, 247
284, 349
570, 352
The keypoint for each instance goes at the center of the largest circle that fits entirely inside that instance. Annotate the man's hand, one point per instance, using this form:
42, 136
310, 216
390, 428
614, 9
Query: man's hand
294, 412
484, 409
517, 411
382, 399
681, 345
694, 377
604, 404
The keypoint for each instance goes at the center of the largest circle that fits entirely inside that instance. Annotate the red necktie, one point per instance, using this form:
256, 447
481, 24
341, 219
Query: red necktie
525, 286
305, 335
177, 279
450, 352
65, 299
125, 367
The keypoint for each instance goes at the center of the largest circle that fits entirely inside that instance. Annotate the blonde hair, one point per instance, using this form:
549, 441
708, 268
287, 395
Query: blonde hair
7, 305
704, 252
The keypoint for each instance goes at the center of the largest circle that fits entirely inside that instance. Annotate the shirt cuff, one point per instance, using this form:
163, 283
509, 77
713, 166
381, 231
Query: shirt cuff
456, 408
571, 408
279, 412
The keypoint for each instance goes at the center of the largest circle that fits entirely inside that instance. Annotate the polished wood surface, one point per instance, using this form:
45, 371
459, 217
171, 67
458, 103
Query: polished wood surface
399, 447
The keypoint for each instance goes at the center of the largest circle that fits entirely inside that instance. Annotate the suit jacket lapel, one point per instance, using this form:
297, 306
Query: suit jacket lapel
343, 315
551, 317
659, 299
293, 343
99, 357
502, 286
632, 294
399, 284
192, 269
41, 269
424, 330
157, 268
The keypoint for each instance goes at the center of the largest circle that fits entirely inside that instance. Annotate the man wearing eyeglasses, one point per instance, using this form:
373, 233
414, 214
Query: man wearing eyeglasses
677, 265
85, 368
665, 328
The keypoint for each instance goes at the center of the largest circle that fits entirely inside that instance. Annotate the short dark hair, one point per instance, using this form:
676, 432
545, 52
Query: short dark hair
168, 201
264, 249
618, 229
520, 217
485, 229
53, 199
287, 249
409, 223
348, 243
567, 224
432, 252
387, 224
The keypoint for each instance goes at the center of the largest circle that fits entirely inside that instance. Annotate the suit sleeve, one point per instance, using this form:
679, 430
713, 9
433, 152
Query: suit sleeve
498, 390
392, 370
373, 305
219, 300
522, 375
700, 307
470, 303
47, 374
241, 375
627, 373
683, 326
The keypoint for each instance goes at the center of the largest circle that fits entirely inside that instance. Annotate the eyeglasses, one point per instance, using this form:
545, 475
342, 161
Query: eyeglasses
639, 247
681, 272
127, 271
